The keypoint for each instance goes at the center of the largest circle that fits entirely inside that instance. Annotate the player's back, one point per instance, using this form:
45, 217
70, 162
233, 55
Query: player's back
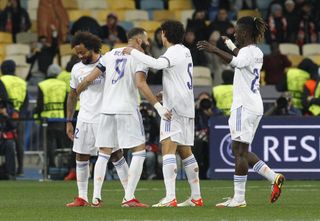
177, 81
120, 92
91, 98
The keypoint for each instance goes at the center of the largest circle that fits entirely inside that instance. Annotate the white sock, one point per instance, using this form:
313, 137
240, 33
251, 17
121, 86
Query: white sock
192, 171
263, 169
99, 174
82, 168
135, 171
239, 187
169, 170
122, 171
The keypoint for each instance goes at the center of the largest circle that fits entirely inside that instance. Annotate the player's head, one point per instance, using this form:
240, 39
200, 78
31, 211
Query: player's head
227, 76
172, 32
249, 30
86, 45
139, 37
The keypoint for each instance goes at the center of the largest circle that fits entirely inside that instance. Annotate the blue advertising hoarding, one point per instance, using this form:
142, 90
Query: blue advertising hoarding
289, 145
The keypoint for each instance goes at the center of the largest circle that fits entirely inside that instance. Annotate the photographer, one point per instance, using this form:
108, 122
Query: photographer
7, 143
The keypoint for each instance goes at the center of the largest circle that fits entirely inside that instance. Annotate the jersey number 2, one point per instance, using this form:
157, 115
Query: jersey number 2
189, 83
119, 67
254, 85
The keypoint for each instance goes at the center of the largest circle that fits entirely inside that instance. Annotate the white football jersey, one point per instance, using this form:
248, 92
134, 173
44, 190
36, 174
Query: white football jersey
246, 91
177, 81
120, 94
91, 98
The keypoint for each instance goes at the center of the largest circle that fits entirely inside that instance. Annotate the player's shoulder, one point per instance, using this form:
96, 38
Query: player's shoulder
76, 67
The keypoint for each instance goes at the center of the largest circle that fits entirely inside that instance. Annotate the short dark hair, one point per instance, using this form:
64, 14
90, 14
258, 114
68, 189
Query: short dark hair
227, 76
255, 26
135, 31
90, 41
173, 31
8, 67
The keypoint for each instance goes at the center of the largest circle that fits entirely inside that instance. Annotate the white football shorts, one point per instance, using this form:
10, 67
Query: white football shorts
85, 138
243, 125
180, 129
120, 130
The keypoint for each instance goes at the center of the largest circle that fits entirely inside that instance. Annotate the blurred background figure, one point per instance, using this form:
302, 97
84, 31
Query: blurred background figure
14, 19
278, 25
198, 57
222, 24
283, 107
292, 18
198, 24
86, 23
113, 33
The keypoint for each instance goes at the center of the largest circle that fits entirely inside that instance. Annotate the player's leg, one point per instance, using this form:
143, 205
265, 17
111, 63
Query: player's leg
192, 171
135, 170
121, 166
169, 169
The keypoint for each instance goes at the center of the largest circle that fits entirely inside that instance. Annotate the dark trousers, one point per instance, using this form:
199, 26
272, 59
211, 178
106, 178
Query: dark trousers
201, 153
7, 148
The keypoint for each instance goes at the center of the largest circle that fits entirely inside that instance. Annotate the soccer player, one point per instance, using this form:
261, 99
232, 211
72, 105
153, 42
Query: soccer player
120, 121
177, 134
247, 106
87, 47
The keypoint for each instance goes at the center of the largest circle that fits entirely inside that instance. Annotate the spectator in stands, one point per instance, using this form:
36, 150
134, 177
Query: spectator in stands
113, 33
51, 103
7, 144
201, 142
198, 24
41, 56
198, 57
274, 65
222, 24
311, 94
86, 23
14, 19
214, 63
211, 6
52, 12
307, 32
283, 107
222, 94
245, 5
277, 25
292, 21
13, 91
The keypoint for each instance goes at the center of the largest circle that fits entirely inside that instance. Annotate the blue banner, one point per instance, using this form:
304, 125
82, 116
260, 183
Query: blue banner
289, 145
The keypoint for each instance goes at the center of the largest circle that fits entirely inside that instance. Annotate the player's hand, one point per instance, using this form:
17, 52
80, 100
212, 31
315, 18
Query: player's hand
159, 96
206, 46
163, 112
127, 50
70, 131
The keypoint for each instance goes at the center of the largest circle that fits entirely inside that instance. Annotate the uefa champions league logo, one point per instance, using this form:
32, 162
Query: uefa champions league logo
226, 150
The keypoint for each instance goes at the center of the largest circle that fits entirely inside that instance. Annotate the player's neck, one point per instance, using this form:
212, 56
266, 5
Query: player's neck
95, 57
134, 45
167, 44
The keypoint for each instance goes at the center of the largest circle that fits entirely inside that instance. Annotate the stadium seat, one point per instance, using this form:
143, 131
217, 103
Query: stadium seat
295, 59
162, 15
289, 48
310, 49
17, 49
70, 4
151, 5
315, 58
19, 59
26, 37
149, 26
22, 72
123, 4
180, 4
92, 4
105, 48
33, 14
33, 4
5, 38
101, 15
265, 48
201, 76
65, 49
136, 15
34, 26
64, 60
127, 25
76, 14
248, 12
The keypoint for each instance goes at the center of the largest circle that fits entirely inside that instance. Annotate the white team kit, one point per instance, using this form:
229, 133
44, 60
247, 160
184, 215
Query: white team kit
90, 104
247, 106
177, 93
120, 123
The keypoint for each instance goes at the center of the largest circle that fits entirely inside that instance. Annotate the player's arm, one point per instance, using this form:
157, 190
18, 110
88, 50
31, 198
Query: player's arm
151, 62
71, 107
230, 45
141, 83
96, 72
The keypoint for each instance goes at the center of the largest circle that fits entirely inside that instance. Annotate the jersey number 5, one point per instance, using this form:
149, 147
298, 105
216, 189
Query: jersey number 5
119, 67
254, 83
189, 83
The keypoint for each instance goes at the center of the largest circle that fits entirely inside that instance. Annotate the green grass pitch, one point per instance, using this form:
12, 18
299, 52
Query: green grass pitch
31, 200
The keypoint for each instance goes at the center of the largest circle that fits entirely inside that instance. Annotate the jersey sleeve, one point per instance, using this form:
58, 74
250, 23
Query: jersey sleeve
243, 59
151, 62
102, 63
140, 67
172, 56
73, 80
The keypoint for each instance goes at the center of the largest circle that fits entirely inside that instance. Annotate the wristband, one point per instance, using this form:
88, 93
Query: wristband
230, 44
